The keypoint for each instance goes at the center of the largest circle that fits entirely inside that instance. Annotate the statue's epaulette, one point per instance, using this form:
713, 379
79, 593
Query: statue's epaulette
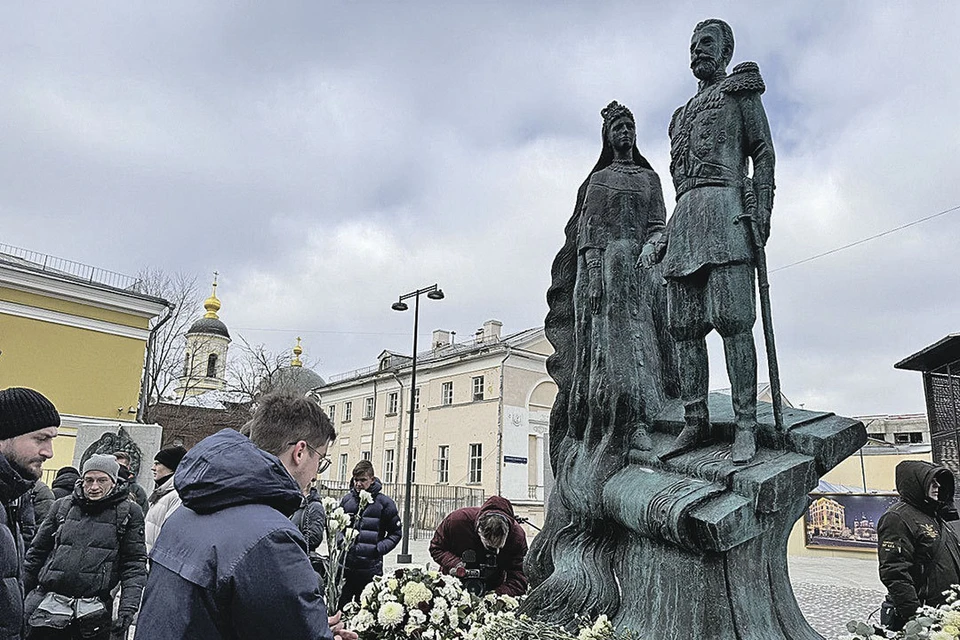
673, 121
745, 77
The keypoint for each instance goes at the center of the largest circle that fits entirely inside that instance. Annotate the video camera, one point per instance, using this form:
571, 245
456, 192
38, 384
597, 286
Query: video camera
476, 569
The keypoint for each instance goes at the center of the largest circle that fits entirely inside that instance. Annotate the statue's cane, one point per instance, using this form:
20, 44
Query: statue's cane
750, 205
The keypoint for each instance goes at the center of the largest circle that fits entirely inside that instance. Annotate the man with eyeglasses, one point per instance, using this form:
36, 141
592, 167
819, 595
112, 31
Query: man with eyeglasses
90, 541
379, 531
229, 564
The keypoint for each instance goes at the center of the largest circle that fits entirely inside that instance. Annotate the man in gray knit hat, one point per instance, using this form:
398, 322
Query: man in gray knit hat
28, 425
91, 542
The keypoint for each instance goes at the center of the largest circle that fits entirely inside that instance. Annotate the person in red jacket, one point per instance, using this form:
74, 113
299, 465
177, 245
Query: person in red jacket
490, 531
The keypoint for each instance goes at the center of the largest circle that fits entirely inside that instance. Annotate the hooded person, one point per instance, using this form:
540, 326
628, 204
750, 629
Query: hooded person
28, 424
164, 500
491, 527
229, 564
919, 545
91, 541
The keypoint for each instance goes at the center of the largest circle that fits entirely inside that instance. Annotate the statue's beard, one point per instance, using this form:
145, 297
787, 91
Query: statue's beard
704, 68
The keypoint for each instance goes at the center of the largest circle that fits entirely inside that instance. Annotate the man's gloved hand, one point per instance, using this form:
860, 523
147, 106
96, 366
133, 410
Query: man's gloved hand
121, 625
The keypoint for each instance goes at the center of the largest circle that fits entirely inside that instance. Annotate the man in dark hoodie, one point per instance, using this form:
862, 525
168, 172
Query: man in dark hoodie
229, 564
488, 529
919, 546
64, 482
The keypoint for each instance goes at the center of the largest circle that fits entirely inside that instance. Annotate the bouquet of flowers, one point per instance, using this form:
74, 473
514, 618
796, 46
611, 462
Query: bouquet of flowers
930, 623
510, 625
427, 605
342, 532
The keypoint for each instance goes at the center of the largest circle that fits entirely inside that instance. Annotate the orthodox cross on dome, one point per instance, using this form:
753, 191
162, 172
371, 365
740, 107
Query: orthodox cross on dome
297, 350
212, 304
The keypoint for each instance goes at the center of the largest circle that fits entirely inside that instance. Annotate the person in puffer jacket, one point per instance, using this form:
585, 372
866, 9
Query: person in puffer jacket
919, 545
379, 531
90, 542
64, 482
164, 500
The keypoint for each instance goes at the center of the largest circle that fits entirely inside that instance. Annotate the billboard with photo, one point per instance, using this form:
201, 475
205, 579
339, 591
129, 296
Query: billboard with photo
845, 520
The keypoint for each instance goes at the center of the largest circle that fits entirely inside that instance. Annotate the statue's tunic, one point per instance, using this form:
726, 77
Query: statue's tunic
617, 378
712, 138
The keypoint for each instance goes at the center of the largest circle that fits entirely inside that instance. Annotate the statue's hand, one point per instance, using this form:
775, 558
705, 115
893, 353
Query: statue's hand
763, 225
648, 256
595, 291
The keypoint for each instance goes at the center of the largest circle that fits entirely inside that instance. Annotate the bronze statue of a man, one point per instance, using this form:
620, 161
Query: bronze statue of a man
709, 260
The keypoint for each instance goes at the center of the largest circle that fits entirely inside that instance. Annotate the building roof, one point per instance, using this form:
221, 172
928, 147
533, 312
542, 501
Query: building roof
212, 326
456, 351
938, 354
295, 379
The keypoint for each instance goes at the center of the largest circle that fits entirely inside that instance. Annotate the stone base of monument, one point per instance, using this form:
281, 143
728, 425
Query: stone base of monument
702, 547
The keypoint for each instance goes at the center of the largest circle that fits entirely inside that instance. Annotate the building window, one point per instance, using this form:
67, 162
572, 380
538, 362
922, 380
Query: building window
332, 412
212, 366
347, 411
388, 462
416, 399
186, 365
443, 464
908, 437
342, 469
413, 467
367, 408
393, 399
478, 388
446, 393
365, 455
476, 463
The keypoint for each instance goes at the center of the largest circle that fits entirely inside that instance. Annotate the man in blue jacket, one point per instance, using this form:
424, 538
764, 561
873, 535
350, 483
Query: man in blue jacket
229, 564
379, 530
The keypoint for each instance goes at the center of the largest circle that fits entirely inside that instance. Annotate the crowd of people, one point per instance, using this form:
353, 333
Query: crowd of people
227, 545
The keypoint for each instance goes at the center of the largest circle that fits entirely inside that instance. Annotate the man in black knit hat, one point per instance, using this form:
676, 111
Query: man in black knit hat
28, 425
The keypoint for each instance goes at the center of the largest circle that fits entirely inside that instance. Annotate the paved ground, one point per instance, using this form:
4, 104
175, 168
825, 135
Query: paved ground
830, 591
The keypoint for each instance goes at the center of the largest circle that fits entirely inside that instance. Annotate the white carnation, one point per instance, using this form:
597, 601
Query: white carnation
362, 621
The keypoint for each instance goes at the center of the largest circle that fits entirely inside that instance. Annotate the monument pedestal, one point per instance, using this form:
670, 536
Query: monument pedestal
697, 544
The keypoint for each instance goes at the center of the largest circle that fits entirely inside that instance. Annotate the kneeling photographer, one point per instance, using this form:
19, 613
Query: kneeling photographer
483, 546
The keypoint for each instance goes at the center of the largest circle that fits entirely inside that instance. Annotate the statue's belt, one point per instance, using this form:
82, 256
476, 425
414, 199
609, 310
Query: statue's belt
693, 183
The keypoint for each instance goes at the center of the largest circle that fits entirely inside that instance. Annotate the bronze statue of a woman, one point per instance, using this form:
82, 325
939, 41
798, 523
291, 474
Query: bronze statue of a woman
614, 361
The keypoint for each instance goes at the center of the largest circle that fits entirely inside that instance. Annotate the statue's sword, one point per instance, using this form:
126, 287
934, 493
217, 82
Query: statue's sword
763, 282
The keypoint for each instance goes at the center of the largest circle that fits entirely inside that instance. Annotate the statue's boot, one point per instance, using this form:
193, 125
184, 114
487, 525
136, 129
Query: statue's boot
744, 445
741, 356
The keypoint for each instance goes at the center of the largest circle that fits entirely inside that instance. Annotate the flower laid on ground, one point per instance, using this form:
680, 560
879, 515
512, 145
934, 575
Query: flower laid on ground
414, 603
930, 623
341, 534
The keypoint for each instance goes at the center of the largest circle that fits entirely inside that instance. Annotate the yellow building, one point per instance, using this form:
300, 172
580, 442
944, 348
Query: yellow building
827, 517
77, 334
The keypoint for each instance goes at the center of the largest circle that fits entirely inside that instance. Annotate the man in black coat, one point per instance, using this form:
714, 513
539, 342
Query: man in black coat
379, 531
91, 541
28, 425
919, 546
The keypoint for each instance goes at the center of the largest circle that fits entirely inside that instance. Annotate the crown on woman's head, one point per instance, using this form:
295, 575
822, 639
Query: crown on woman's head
613, 111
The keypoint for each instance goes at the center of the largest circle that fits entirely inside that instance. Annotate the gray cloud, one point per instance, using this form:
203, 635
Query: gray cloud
327, 157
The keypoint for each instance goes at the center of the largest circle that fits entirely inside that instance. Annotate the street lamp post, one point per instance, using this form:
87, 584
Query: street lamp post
434, 293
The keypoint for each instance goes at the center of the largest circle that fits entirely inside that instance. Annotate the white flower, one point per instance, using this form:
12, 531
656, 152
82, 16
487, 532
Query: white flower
362, 621
329, 504
390, 614
414, 593
392, 584
365, 499
366, 596
350, 535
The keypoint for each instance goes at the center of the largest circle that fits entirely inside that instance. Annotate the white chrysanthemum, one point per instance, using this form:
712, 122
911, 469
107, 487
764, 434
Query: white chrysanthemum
390, 614
414, 593
366, 596
513, 603
392, 584
437, 616
362, 621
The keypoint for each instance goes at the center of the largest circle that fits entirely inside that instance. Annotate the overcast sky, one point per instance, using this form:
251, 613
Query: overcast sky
327, 157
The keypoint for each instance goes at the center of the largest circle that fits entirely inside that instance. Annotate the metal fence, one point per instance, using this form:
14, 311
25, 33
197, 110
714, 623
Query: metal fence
85, 272
429, 503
